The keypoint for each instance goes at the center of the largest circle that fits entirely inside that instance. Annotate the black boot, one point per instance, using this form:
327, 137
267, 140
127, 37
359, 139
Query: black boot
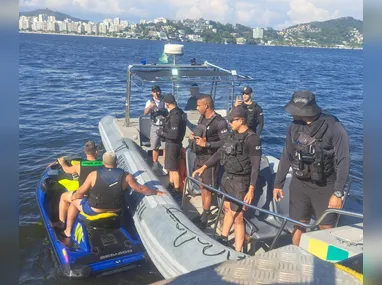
224, 241
203, 221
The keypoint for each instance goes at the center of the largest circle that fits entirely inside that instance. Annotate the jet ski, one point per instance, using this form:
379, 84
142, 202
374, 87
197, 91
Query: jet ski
100, 244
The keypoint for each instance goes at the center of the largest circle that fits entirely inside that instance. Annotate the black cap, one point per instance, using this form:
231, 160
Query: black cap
303, 103
237, 112
156, 88
169, 99
246, 90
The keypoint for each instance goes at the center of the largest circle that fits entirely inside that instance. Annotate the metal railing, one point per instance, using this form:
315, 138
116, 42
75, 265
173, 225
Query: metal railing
189, 180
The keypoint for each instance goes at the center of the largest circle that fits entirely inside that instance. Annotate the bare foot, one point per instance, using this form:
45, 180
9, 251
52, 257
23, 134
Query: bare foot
58, 225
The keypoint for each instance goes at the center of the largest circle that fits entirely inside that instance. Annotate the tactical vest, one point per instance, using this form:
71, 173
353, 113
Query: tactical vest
86, 167
310, 161
235, 161
107, 192
158, 114
202, 130
182, 126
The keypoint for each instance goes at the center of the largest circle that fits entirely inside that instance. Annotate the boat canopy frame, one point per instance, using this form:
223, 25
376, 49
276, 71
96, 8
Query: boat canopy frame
185, 74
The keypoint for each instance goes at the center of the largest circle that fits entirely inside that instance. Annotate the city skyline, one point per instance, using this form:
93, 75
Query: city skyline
271, 13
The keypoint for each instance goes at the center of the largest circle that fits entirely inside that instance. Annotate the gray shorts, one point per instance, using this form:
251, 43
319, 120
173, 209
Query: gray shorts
155, 142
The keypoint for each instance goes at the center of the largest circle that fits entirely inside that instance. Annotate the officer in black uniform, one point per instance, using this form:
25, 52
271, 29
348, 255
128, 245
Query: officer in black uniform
255, 118
241, 156
317, 149
207, 137
172, 132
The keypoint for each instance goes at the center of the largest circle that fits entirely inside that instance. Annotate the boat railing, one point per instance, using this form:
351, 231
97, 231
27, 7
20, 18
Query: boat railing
284, 219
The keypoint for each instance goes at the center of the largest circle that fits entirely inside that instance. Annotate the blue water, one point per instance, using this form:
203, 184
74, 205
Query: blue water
67, 84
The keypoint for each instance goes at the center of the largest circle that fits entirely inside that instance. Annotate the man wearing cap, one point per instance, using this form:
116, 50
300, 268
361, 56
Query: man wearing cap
191, 103
106, 189
207, 137
255, 118
317, 149
240, 155
172, 132
156, 108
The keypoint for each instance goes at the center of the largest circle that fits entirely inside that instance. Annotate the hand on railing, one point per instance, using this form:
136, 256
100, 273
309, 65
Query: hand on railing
335, 202
278, 194
248, 198
199, 171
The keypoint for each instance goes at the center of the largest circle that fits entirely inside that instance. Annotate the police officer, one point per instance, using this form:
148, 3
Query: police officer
241, 156
207, 137
172, 132
156, 108
317, 149
255, 118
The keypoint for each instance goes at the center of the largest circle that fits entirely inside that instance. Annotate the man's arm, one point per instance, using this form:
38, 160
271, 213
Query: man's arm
85, 187
341, 155
70, 169
253, 148
223, 134
260, 120
130, 181
285, 161
148, 107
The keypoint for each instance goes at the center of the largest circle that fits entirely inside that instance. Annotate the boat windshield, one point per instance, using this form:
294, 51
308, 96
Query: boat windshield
185, 82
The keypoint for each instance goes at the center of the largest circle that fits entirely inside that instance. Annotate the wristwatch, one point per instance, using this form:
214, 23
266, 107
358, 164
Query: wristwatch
208, 144
338, 194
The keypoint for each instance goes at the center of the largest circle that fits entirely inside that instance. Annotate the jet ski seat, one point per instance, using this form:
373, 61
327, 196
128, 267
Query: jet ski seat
102, 220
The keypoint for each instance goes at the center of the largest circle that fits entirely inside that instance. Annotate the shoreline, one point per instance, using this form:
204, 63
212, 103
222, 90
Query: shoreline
125, 38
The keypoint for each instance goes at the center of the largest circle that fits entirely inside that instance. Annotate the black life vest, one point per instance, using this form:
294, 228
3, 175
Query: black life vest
87, 166
158, 114
235, 161
107, 192
252, 111
182, 126
203, 131
310, 161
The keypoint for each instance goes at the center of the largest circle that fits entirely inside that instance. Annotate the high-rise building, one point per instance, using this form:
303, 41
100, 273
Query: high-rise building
89, 28
103, 28
258, 33
51, 27
52, 19
116, 21
95, 29
43, 18
81, 29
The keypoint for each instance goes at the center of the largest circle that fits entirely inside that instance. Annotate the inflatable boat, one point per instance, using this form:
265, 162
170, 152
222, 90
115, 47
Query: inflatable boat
100, 245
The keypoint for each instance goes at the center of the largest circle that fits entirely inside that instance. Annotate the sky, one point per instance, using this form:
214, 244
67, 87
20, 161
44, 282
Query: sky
261, 13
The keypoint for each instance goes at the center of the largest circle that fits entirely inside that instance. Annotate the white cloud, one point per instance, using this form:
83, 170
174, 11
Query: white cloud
274, 13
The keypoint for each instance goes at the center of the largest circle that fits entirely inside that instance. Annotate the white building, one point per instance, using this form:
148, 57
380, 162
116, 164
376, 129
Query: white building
258, 33
95, 29
51, 18
116, 21
51, 27
24, 23
81, 28
103, 29
43, 18
160, 20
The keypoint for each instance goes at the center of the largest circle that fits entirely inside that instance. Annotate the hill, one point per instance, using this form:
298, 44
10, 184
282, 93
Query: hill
341, 31
59, 16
